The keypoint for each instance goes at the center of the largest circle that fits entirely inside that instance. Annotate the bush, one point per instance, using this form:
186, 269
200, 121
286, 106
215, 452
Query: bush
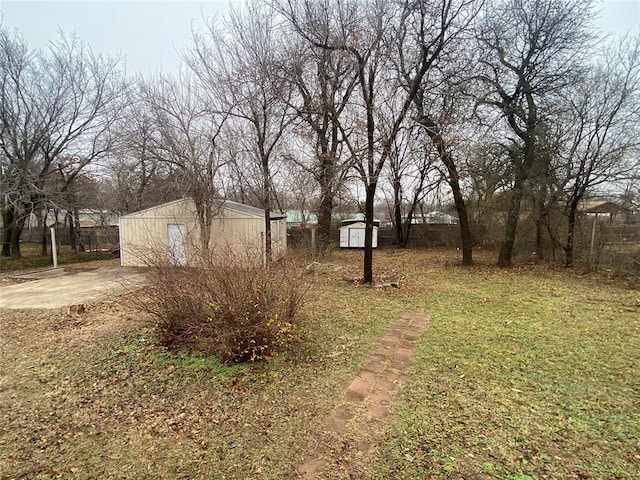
236, 310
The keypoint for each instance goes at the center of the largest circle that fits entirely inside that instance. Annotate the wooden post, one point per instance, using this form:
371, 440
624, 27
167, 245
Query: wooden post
593, 239
313, 241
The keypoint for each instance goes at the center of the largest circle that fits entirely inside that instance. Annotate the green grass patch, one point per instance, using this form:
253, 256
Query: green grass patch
522, 374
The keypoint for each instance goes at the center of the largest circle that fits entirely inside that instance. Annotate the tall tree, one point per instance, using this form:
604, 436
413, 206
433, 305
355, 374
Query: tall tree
237, 60
23, 129
531, 49
367, 32
135, 177
324, 81
187, 133
55, 103
439, 102
435, 120
410, 163
602, 139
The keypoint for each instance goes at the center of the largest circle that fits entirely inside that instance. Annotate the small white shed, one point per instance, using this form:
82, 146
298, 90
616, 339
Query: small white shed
352, 235
173, 228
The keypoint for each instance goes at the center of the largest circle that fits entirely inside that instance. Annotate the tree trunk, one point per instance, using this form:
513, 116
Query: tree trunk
453, 179
466, 239
204, 213
571, 228
538, 254
324, 218
7, 222
543, 224
72, 231
511, 225
266, 190
397, 215
16, 232
540, 218
267, 236
43, 250
80, 243
406, 230
368, 233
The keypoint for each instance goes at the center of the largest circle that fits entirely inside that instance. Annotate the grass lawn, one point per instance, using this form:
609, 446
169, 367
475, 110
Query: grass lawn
31, 258
523, 374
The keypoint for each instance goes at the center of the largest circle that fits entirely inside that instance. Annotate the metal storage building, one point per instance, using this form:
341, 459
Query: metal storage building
172, 229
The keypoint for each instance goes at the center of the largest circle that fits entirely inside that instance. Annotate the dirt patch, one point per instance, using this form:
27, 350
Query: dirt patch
345, 443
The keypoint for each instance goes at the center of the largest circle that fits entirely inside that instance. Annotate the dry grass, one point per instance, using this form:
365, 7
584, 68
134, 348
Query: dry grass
522, 374
32, 259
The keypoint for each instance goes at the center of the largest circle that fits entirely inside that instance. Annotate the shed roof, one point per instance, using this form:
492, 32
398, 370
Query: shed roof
358, 218
249, 210
356, 225
228, 204
141, 213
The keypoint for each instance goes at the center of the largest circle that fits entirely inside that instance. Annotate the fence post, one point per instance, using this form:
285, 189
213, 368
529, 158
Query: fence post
593, 241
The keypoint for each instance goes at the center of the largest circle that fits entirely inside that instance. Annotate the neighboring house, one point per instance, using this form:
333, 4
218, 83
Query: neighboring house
87, 217
97, 218
172, 229
434, 218
301, 218
614, 210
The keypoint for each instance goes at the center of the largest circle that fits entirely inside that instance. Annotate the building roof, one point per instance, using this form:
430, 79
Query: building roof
301, 217
228, 204
440, 218
356, 225
358, 218
603, 206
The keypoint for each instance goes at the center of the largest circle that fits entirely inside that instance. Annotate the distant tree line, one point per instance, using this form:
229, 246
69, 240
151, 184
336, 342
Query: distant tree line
313, 103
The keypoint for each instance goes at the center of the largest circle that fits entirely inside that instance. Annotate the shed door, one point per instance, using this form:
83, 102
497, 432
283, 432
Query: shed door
356, 237
344, 237
177, 242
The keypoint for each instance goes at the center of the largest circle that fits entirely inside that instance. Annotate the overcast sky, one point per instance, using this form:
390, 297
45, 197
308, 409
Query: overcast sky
151, 33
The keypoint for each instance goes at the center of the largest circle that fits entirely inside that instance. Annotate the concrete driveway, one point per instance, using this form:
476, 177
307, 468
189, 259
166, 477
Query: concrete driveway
55, 288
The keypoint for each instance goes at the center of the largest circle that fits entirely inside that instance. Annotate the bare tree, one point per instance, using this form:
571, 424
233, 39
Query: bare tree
62, 102
368, 33
324, 81
410, 165
439, 101
488, 172
602, 139
296, 187
22, 131
531, 50
434, 117
237, 61
132, 173
186, 136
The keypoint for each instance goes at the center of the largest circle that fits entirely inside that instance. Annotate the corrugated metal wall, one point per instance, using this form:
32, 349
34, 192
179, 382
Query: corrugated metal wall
143, 235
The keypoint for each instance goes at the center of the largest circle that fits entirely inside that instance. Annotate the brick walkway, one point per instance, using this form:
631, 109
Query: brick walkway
360, 413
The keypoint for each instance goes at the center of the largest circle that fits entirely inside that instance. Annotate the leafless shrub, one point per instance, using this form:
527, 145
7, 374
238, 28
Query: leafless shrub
225, 303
